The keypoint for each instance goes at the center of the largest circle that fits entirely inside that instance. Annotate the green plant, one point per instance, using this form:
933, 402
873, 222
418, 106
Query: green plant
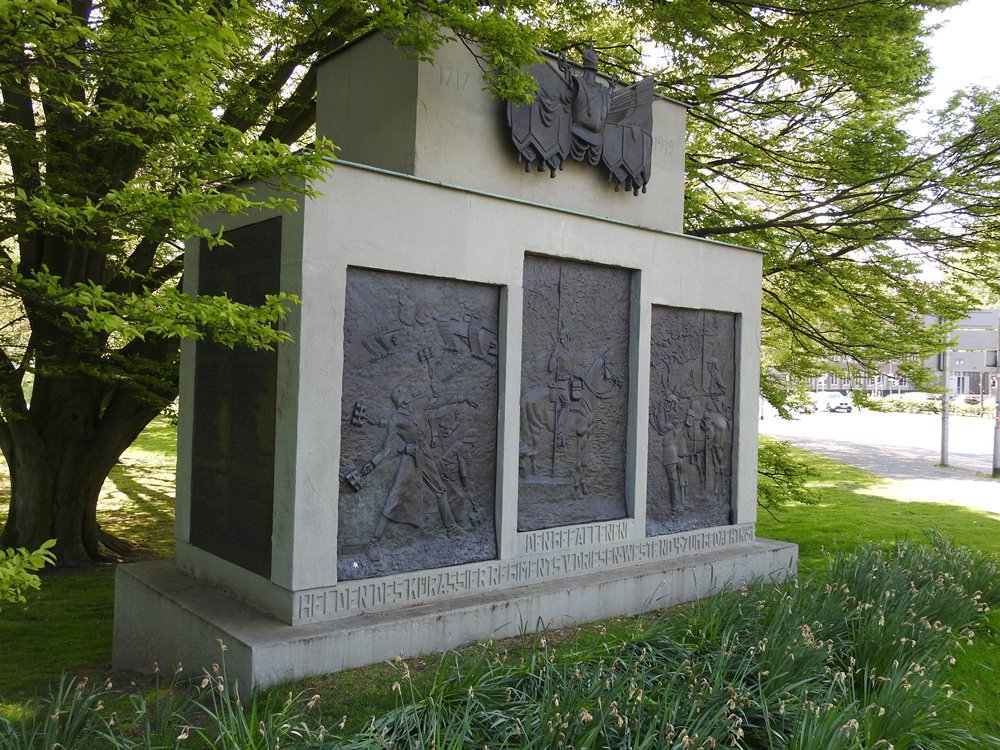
153, 718
854, 656
783, 477
266, 722
68, 718
17, 571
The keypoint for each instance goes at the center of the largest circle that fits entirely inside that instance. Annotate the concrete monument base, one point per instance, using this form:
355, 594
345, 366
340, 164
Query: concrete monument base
164, 615
509, 402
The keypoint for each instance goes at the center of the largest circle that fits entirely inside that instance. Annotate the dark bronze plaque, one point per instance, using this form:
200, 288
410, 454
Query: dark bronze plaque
582, 118
574, 393
418, 424
691, 401
232, 462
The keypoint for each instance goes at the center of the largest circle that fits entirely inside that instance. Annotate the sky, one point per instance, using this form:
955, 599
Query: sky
965, 50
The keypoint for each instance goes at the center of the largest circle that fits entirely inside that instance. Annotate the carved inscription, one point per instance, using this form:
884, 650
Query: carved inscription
692, 398
232, 456
663, 145
574, 393
549, 540
458, 79
419, 424
355, 598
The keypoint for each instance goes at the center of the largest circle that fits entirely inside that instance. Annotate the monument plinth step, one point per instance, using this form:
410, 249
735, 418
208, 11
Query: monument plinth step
166, 616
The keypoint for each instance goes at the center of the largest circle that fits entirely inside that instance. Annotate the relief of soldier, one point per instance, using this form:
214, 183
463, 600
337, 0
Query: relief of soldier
562, 412
418, 446
691, 413
665, 419
696, 446
456, 456
409, 442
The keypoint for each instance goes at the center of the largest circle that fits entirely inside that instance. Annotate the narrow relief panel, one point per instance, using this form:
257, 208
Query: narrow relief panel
574, 393
418, 424
691, 405
232, 462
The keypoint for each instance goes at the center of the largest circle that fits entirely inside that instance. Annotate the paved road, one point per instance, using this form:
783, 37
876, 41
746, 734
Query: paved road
904, 448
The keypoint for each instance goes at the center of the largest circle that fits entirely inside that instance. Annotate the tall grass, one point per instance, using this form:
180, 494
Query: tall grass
856, 656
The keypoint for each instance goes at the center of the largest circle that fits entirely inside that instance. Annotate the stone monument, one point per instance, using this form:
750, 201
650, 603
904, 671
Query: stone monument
510, 399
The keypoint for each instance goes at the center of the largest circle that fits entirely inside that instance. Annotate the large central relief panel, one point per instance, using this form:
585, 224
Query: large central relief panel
418, 424
574, 393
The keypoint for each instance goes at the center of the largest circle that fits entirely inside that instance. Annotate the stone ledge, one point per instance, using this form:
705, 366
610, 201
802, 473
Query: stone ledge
164, 615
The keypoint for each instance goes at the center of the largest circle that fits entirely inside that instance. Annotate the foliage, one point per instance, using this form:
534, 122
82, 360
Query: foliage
799, 145
933, 406
855, 656
968, 130
268, 721
126, 121
121, 123
782, 477
852, 657
17, 570
65, 719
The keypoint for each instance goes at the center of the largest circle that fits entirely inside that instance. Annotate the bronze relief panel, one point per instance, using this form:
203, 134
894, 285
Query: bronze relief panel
691, 407
574, 393
418, 424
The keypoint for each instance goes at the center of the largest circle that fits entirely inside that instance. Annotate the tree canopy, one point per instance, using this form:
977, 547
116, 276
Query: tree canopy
798, 146
123, 121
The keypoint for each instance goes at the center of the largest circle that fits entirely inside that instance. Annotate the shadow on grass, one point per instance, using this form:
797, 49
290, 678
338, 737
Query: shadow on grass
137, 504
978, 672
137, 500
67, 625
853, 508
64, 627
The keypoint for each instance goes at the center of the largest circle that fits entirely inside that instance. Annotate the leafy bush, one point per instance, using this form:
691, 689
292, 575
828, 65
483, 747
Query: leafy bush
913, 407
957, 407
972, 410
782, 477
17, 571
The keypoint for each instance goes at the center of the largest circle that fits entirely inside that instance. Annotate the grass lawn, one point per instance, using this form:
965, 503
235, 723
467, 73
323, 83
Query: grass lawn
67, 627
849, 513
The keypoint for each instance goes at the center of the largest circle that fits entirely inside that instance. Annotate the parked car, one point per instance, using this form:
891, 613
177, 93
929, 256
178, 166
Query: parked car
838, 402
831, 401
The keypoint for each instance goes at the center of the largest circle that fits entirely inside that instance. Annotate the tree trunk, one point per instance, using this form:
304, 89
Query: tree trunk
59, 453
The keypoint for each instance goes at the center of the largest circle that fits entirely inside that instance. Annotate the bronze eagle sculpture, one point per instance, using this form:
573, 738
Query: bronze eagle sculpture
582, 118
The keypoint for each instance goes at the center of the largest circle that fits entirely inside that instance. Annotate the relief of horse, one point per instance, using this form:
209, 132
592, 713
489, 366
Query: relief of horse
566, 417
